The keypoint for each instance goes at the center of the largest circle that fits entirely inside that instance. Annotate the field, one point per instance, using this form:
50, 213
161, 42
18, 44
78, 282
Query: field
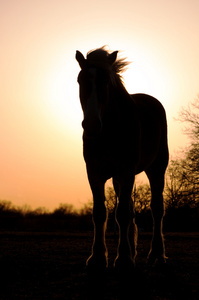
52, 266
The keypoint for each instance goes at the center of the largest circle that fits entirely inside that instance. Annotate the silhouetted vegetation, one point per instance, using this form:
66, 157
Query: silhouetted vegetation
181, 211
63, 218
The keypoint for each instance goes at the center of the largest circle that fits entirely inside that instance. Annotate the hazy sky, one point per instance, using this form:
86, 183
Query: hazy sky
41, 161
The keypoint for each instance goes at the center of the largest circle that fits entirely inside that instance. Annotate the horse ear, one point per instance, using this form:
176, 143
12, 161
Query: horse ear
80, 58
112, 57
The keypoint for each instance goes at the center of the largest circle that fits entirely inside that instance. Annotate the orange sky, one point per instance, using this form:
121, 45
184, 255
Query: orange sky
41, 148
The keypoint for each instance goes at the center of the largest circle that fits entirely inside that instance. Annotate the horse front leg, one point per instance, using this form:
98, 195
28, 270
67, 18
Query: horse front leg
98, 259
125, 218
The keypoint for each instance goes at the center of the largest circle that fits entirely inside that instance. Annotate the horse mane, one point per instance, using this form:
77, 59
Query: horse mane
99, 58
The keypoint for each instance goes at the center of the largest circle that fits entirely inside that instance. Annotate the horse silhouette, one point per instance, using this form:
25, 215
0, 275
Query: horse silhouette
123, 135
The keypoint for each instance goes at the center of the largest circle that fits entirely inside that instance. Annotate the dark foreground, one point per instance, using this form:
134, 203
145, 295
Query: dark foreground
52, 266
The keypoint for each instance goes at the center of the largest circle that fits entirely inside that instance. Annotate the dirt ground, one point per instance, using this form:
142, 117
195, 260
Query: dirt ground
52, 266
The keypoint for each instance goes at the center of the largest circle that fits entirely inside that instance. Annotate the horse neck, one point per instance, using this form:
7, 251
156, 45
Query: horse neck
118, 95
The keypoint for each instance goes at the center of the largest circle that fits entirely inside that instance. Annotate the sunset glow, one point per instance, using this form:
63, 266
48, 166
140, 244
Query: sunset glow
41, 136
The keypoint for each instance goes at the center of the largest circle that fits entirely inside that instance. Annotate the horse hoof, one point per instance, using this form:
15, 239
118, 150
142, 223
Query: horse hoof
96, 265
125, 265
158, 260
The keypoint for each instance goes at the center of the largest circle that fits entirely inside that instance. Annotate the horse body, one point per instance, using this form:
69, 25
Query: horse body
116, 147
123, 135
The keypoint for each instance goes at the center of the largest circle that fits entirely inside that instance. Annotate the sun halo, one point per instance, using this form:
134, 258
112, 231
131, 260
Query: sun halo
62, 91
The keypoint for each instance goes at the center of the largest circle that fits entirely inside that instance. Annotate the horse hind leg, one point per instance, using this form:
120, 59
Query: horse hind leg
133, 231
157, 251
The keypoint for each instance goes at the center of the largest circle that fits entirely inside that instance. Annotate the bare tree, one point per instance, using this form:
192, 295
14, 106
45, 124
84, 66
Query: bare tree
179, 188
142, 197
190, 163
190, 116
111, 200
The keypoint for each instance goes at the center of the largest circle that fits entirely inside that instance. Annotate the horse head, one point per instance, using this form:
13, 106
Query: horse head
93, 80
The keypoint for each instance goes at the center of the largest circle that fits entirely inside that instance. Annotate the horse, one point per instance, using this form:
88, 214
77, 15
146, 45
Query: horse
123, 135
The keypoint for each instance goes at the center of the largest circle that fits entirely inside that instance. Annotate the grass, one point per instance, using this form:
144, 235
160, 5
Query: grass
52, 266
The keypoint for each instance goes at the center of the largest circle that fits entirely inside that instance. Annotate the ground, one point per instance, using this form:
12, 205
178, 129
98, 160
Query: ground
52, 266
